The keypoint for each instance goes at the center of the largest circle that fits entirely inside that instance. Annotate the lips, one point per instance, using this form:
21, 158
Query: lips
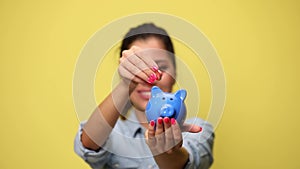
145, 94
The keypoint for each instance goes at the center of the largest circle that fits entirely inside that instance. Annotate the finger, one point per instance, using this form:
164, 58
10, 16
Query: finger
169, 140
124, 73
132, 67
141, 65
159, 133
151, 133
140, 71
145, 55
159, 126
176, 132
167, 123
191, 128
144, 62
135, 49
151, 130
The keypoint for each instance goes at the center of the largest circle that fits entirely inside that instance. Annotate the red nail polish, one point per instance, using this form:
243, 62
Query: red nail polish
166, 119
150, 80
152, 123
200, 129
173, 121
160, 120
153, 76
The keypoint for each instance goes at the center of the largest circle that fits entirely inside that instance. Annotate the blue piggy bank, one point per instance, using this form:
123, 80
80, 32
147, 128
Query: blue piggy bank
163, 104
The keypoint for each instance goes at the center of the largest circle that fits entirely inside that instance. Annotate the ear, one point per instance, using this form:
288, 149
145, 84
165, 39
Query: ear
181, 94
155, 90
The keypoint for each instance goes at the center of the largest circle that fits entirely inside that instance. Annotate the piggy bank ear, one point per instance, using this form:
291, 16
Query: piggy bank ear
180, 94
155, 90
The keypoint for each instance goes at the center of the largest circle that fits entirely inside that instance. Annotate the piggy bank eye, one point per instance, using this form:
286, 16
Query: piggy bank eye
164, 98
171, 98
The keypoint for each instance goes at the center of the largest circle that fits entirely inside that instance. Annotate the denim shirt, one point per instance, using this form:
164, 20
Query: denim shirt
126, 147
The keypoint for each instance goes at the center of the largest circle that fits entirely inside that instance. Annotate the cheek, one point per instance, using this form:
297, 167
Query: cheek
166, 83
168, 77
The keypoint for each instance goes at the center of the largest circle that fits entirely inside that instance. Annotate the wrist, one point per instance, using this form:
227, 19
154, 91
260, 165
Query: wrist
127, 86
176, 159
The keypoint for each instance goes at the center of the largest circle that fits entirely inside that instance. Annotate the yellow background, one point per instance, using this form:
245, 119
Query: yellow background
257, 41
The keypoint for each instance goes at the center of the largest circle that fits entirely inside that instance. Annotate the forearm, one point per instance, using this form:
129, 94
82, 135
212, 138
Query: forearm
101, 122
174, 160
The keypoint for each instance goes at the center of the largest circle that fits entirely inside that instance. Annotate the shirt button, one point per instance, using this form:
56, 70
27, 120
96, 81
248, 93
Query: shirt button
116, 165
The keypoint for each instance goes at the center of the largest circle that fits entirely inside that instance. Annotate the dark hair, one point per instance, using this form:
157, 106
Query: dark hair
145, 31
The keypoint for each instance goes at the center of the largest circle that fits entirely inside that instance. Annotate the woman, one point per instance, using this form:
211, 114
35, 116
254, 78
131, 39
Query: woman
108, 141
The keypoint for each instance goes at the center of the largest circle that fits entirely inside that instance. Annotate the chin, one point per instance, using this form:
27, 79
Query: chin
140, 106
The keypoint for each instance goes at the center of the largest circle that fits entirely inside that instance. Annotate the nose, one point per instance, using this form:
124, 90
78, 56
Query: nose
167, 111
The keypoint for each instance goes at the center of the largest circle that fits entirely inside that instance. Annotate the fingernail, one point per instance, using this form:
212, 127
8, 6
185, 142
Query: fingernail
200, 129
152, 78
154, 68
166, 119
160, 120
152, 123
173, 121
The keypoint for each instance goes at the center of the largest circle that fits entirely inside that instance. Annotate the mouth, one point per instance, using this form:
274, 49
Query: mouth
145, 94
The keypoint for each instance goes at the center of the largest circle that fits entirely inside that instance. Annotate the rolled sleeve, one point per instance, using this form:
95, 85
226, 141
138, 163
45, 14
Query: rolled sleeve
199, 146
96, 159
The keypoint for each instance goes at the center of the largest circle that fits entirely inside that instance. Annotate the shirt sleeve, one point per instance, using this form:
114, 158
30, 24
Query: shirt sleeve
199, 145
96, 159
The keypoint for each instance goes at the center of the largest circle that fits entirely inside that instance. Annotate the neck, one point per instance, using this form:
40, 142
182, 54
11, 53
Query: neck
141, 116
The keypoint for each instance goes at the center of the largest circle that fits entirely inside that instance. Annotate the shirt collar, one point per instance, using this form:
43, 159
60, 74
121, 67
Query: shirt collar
134, 125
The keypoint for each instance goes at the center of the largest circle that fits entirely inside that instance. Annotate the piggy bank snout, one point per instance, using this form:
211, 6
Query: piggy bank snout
164, 104
167, 111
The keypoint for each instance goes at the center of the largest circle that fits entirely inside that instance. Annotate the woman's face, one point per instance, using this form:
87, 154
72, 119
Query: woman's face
141, 94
